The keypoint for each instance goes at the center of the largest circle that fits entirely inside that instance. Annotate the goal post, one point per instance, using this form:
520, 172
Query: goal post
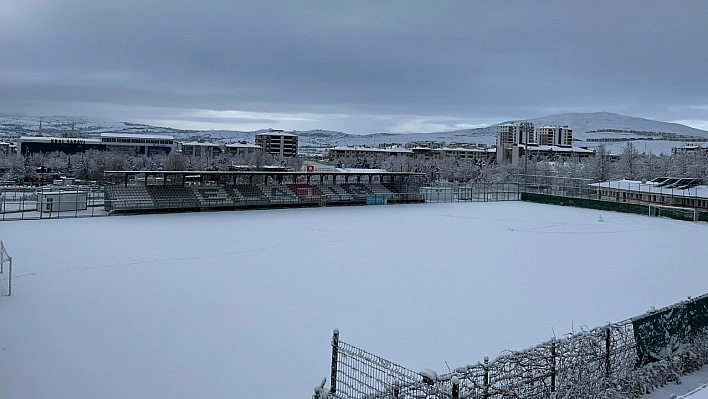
673, 212
5, 271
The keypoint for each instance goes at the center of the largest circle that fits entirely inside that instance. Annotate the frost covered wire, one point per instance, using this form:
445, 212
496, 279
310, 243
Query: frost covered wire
361, 374
5, 272
620, 360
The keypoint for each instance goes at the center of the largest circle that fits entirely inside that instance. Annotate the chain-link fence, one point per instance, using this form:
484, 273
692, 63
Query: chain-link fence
471, 192
5, 271
27, 203
681, 199
619, 360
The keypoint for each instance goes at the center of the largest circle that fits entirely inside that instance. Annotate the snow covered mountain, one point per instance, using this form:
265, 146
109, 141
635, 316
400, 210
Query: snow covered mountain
584, 122
584, 125
12, 127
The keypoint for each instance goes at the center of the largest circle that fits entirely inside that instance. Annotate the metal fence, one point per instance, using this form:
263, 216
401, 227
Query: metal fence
471, 192
5, 272
27, 203
619, 360
621, 189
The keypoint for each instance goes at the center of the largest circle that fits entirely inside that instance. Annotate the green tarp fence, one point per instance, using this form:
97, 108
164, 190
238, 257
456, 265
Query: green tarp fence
585, 203
608, 206
665, 333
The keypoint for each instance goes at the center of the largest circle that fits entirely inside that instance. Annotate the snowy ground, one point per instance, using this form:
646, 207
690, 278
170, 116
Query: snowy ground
693, 386
242, 304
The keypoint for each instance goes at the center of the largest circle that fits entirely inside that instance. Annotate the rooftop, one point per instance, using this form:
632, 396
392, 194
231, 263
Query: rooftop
656, 187
138, 136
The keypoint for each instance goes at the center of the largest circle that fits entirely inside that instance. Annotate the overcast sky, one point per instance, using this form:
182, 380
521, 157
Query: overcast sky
354, 66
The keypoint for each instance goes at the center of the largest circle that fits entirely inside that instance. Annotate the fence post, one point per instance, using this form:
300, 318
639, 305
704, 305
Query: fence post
486, 378
608, 344
455, 388
335, 355
553, 365
9, 281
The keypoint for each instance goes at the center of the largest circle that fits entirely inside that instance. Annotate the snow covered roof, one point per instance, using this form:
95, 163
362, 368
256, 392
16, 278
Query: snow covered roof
358, 170
138, 136
556, 148
198, 144
276, 134
61, 192
553, 127
372, 149
242, 145
462, 149
653, 188
49, 139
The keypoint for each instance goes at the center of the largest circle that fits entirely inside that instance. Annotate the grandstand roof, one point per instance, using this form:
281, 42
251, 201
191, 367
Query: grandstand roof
197, 143
242, 145
555, 148
261, 172
138, 136
654, 188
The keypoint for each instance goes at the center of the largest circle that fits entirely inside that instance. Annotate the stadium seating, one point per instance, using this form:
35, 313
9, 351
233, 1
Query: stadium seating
378, 189
173, 197
212, 195
129, 198
280, 194
306, 192
248, 193
399, 188
334, 193
357, 190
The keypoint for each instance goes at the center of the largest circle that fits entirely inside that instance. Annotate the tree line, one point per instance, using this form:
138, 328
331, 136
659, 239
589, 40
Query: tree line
630, 164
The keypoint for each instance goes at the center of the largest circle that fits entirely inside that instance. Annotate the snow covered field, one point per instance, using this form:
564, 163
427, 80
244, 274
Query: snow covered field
242, 304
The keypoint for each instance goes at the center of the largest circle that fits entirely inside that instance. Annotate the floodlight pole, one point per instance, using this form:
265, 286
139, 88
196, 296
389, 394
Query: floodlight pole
526, 128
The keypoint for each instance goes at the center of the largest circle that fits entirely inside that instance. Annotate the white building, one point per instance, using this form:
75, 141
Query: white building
277, 142
148, 144
560, 136
690, 149
509, 137
59, 201
686, 192
241, 149
546, 142
350, 151
197, 149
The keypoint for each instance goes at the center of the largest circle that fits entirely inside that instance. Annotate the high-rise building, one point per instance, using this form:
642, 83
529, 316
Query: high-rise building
561, 136
277, 142
509, 137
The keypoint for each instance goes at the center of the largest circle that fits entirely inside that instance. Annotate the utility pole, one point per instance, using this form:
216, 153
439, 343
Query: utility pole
527, 129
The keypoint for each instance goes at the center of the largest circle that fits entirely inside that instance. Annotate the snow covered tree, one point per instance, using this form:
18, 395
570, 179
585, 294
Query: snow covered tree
629, 161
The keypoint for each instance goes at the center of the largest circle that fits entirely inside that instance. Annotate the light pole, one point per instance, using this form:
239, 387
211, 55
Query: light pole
526, 129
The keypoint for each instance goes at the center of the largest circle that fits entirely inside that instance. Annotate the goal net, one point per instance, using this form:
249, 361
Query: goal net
674, 212
5, 272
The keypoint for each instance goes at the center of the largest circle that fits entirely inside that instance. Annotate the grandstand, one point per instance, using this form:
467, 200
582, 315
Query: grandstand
335, 193
160, 191
129, 198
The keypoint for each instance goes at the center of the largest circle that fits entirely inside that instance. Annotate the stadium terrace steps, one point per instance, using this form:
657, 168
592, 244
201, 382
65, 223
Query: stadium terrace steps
212, 196
173, 197
248, 193
280, 194
205, 197
306, 192
357, 190
334, 193
124, 198
378, 189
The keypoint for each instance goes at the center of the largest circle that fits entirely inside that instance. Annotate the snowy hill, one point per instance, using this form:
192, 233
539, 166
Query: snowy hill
585, 126
84, 127
584, 122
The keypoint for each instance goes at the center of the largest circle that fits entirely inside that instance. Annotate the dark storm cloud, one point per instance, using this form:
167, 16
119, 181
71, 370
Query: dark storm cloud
374, 65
